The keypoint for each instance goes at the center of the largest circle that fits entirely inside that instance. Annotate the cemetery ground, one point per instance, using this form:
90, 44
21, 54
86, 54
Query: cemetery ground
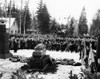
60, 71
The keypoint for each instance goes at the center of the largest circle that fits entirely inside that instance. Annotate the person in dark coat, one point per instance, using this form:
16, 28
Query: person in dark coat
98, 55
15, 46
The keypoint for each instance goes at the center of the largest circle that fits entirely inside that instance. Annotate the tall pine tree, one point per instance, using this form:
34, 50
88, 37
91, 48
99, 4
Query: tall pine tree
95, 27
83, 27
34, 23
71, 28
43, 18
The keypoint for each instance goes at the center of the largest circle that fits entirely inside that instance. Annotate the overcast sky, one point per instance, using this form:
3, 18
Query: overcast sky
60, 9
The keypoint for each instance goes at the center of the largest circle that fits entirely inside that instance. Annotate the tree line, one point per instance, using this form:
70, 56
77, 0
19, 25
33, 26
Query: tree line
42, 22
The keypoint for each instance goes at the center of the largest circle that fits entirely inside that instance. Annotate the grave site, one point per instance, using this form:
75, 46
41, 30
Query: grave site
40, 63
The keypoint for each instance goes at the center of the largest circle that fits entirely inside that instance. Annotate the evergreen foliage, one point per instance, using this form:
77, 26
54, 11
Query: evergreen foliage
83, 27
95, 27
43, 18
71, 28
53, 26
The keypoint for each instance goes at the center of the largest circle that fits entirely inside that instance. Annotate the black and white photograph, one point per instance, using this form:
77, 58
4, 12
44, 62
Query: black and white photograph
49, 39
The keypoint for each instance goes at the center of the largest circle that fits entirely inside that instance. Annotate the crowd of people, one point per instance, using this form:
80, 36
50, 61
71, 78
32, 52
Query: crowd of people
55, 44
85, 46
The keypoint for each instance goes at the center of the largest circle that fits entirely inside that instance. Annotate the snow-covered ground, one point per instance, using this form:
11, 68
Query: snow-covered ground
63, 71
53, 54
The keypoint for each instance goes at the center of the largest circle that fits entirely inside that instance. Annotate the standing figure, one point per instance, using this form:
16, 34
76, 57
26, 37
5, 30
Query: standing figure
15, 46
98, 55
